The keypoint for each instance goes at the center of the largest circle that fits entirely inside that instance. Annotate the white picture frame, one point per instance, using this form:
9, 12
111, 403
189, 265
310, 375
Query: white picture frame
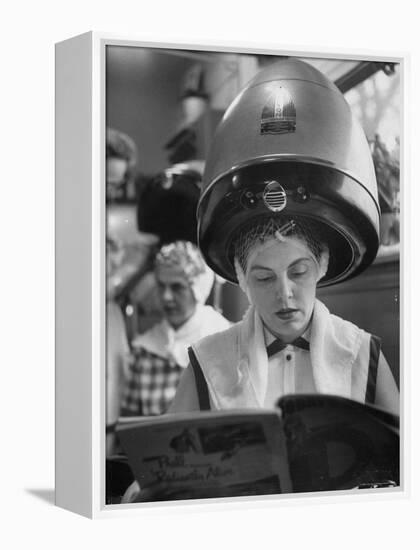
80, 275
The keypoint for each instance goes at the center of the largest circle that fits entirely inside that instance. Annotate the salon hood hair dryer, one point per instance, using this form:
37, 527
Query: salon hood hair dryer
289, 145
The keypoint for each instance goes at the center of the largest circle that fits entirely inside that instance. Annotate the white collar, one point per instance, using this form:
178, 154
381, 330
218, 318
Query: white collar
166, 342
269, 336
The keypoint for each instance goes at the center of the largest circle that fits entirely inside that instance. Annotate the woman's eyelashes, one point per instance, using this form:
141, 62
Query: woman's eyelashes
177, 287
301, 268
264, 277
298, 272
174, 288
293, 273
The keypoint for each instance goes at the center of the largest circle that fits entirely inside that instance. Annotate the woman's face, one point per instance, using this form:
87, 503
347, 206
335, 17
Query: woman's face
176, 296
282, 279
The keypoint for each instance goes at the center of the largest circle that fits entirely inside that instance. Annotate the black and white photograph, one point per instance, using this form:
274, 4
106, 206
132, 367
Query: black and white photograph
252, 274
210, 257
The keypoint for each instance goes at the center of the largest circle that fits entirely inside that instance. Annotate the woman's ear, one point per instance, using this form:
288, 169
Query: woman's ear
323, 264
240, 275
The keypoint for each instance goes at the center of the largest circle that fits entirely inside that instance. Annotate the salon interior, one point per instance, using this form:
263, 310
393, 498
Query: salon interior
163, 106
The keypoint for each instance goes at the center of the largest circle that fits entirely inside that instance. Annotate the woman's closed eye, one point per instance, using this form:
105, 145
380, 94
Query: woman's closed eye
299, 270
264, 277
177, 287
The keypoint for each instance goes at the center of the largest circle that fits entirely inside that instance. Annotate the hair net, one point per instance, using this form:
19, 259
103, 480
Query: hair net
252, 239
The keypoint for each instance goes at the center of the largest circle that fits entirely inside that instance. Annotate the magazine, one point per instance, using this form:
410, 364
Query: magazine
309, 443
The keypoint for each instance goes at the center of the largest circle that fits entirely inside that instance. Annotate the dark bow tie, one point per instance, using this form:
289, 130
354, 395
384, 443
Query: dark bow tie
278, 345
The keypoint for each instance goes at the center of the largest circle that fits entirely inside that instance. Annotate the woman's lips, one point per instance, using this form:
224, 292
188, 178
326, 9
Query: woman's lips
286, 314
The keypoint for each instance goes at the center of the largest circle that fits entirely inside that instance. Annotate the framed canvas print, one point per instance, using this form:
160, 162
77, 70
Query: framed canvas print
228, 275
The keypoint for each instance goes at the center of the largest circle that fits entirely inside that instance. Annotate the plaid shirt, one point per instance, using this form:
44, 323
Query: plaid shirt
151, 384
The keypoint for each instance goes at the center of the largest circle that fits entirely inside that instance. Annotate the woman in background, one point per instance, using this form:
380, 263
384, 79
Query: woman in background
160, 355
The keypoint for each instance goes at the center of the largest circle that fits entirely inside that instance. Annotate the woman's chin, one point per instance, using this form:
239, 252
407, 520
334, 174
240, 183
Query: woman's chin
173, 319
287, 330
176, 320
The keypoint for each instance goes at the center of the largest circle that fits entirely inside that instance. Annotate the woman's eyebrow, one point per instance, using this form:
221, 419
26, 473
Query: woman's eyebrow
257, 266
303, 259
266, 268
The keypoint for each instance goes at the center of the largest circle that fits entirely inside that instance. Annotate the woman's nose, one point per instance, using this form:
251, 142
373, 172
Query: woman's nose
284, 289
167, 295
